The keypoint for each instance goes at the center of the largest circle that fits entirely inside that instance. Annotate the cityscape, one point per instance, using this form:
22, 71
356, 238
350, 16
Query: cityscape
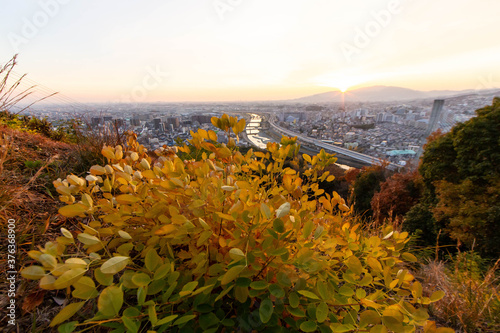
388, 131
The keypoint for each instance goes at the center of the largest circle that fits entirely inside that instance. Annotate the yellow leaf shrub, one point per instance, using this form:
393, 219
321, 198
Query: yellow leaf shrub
223, 242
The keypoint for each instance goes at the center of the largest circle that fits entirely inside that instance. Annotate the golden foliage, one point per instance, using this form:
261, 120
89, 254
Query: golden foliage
229, 240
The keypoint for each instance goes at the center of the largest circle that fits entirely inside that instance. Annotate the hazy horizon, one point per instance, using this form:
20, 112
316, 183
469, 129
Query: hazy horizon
221, 50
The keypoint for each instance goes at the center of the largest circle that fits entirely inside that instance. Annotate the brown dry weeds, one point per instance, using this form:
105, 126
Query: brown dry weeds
27, 164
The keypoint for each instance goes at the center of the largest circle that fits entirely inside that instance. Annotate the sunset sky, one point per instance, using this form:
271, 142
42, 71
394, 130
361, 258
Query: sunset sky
236, 50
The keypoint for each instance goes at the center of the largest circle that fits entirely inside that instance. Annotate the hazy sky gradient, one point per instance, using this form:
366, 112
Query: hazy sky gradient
249, 49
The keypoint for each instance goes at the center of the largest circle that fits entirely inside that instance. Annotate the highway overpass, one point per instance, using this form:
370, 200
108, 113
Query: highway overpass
341, 152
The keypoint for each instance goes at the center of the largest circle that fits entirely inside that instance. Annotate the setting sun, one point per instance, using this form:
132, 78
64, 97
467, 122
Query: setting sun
344, 80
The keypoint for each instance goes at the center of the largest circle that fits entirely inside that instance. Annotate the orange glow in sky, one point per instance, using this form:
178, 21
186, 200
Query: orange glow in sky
154, 50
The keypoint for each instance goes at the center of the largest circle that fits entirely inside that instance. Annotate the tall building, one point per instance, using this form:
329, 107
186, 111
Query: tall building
174, 121
158, 125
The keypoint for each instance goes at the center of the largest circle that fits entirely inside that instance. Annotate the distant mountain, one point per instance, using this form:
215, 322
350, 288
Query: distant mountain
378, 94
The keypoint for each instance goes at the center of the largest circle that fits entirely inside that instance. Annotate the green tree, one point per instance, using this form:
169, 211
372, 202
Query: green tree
461, 173
365, 186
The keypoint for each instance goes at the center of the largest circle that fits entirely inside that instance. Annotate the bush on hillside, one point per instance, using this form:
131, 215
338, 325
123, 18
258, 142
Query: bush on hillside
227, 242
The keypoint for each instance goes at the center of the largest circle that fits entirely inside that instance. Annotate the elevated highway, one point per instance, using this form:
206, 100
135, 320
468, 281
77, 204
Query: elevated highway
341, 152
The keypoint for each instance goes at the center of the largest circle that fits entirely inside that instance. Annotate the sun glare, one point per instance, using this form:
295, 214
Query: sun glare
346, 79
342, 83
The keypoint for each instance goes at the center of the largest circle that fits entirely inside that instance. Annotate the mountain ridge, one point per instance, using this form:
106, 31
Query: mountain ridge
380, 93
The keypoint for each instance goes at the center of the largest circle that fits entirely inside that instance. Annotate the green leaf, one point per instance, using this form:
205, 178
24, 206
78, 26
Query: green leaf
208, 320
339, 328
266, 310
276, 291
236, 254
166, 320
264, 209
360, 293
392, 323
66, 233
409, 257
308, 326
416, 289
67, 312
369, 317
87, 239
68, 278
110, 301
297, 312
114, 265
378, 329
141, 294
283, 279
283, 210
308, 227
308, 294
85, 288
184, 319
68, 327
354, 265
224, 293
231, 274
204, 236
124, 234
322, 312
279, 226
420, 315
131, 312
323, 290
243, 282
279, 252
33, 272
131, 325
346, 291
141, 279
437, 295
162, 271
190, 286
103, 279
259, 285
152, 314
294, 299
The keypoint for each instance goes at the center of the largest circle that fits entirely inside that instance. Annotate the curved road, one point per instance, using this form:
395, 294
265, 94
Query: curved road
338, 150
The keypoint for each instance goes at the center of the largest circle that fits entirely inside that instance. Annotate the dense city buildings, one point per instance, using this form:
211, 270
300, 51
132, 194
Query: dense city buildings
392, 131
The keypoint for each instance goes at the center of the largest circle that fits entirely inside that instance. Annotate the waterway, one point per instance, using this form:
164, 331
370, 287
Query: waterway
256, 136
260, 139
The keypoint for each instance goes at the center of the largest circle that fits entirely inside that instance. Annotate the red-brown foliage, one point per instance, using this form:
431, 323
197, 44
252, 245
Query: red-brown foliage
396, 196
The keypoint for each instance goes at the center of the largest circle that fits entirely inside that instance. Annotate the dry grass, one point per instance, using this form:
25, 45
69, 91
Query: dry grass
24, 196
28, 165
472, 301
